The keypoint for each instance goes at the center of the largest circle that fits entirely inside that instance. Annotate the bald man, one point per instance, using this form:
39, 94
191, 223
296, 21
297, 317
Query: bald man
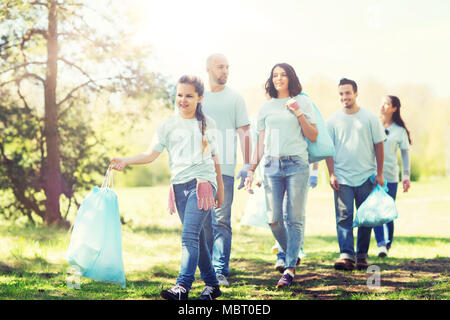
229, 111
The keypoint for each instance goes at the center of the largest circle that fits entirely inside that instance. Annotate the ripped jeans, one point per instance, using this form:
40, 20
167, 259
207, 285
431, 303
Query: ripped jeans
287, 174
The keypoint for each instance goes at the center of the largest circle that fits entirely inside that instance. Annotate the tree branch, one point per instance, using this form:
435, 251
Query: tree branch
73, 65
85, 35
79, 4
70, 94
32, 32
15, 68
19, 93
28, 36
26, 75
37, 3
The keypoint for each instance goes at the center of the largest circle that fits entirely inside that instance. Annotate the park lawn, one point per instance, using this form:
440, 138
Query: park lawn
33, 266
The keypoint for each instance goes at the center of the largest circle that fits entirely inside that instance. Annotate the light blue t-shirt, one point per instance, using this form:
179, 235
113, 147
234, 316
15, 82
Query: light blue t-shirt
227, 108
183, 140
354, 136
396, 138
283, 134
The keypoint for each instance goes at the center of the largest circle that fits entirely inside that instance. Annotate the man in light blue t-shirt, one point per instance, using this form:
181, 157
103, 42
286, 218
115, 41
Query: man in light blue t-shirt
358, 135
227, 108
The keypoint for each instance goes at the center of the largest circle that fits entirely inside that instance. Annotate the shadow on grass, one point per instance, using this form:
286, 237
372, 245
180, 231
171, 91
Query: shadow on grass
41, 234
25, 285
254, 278
4, 268
20, 269
317, 279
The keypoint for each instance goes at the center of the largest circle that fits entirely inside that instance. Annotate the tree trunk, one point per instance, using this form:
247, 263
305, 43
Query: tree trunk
52, 183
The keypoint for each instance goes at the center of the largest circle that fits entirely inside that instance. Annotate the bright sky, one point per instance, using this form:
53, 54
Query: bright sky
397, 42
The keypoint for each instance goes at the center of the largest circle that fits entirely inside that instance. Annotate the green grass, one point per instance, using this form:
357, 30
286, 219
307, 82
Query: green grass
32, 264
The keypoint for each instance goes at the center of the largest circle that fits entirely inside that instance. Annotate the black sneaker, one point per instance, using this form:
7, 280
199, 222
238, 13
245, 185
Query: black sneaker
280, 265
286, 280
361, 264
210, 293
177, 292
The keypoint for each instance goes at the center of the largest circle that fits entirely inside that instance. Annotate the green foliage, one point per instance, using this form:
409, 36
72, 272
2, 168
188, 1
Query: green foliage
144, 176
20, 158
95, 62
415, 168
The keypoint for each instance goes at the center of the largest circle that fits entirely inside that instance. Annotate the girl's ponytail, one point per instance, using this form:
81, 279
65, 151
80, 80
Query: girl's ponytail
396, 117
202, 125
200, 116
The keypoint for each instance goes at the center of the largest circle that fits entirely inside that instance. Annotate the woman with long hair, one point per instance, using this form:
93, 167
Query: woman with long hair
283, 123
397, 137
196, 179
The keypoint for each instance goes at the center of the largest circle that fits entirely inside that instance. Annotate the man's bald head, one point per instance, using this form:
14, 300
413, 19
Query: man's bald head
214, 58
217, 68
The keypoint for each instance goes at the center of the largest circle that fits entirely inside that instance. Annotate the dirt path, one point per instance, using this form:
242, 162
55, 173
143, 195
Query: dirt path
406, 279
380, 280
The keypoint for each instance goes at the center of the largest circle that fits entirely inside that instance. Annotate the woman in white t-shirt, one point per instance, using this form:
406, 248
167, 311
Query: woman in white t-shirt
397, 137
283, 124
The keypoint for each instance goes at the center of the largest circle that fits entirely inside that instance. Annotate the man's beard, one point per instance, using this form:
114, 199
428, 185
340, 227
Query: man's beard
222, 80
349, 106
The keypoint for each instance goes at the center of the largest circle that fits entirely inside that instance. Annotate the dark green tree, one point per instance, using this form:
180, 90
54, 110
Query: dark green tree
57, 60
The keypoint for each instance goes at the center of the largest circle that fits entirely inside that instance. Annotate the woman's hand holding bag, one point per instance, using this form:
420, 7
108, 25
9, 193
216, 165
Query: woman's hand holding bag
205, 195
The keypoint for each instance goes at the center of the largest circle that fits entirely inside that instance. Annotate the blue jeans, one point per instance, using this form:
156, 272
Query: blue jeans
385, 234
194, 247
219, 235
344, 199
287, 174
281, 255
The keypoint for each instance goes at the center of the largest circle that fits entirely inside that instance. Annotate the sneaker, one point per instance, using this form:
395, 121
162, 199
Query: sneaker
222, 280
361, 264
301, 254
177, 292
210, 293
344, 264
382, 252
280, 265
286, 279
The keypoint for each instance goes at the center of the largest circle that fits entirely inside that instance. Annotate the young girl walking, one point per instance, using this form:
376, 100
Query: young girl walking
196, 183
